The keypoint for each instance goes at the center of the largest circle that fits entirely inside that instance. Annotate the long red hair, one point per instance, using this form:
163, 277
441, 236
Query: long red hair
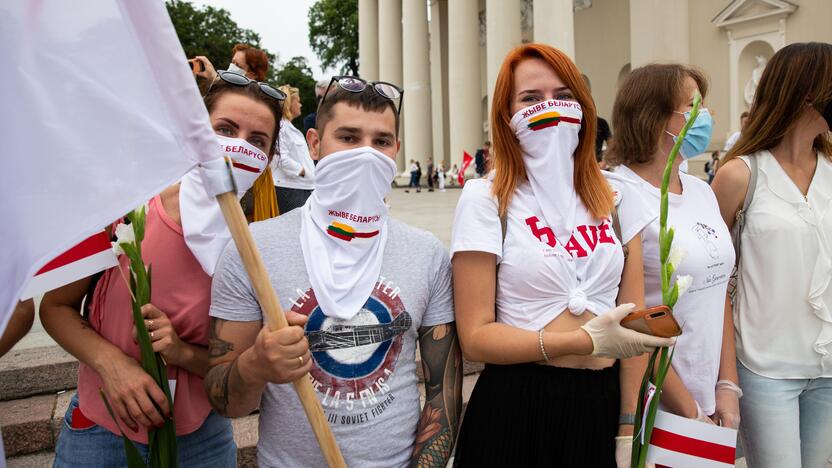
510, 171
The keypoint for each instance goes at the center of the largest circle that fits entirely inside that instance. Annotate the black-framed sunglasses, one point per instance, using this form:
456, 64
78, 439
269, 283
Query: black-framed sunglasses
355, 84
241, 80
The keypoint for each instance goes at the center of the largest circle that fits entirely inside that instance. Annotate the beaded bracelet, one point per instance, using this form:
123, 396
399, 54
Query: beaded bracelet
542, 348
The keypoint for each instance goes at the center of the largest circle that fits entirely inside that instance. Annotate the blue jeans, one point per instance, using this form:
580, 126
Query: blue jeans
786, 423
212, 445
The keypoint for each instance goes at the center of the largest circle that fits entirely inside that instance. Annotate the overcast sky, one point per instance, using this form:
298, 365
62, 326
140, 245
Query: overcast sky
282, 27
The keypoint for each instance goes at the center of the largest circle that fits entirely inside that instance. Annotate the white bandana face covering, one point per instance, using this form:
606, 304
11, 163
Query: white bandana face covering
344, 228
203, 225
548, 136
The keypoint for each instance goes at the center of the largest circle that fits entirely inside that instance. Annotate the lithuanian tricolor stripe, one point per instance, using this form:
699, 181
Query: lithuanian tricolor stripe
549, 119
346, 232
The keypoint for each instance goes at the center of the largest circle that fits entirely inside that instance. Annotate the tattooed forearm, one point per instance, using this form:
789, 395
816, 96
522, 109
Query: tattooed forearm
216, 383
442, 365
217, 347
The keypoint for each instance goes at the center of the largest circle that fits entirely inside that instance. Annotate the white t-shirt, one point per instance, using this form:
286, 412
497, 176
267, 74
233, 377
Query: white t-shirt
784, 313
701, 232
731, 141
293, 157
539, 276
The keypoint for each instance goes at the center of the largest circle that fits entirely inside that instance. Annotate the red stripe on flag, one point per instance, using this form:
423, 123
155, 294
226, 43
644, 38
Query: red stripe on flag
365, 235
246, 168
89, 246
693, 447
570, 119
466, 161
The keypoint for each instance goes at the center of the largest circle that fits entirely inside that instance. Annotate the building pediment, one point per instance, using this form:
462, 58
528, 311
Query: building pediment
745, 11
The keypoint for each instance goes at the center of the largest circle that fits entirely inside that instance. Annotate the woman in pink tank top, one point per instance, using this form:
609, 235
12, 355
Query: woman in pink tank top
177, 318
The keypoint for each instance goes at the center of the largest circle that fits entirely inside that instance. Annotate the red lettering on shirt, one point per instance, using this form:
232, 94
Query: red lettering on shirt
541, 232
574, 248
604, 236
589, 242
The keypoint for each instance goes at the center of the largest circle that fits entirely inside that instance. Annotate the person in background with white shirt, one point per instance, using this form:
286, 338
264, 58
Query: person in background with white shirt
650, 109
783, 302
292, 169
732, 140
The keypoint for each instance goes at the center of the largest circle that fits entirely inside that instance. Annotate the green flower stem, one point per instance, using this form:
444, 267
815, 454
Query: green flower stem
670, 294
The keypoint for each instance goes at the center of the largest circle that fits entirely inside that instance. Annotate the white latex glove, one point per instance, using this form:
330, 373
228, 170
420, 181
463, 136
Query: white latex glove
624, 452
611, 340
727, 408
702, 417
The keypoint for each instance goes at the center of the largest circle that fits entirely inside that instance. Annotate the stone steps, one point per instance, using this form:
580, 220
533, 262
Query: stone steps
36, 371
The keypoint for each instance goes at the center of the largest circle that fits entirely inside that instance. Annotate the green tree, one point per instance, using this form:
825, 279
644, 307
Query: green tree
211, 32
333, 33
296, 72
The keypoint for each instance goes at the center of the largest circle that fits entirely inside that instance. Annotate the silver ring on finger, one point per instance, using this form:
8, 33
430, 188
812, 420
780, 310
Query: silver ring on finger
150, 324
300, 358
151, 335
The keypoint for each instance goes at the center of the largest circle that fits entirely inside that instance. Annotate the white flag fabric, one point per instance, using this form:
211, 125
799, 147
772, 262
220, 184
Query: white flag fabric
99, 113
687, 443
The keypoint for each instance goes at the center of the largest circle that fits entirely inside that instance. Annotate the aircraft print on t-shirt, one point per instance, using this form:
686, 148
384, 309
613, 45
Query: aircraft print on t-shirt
584, 239
354, 360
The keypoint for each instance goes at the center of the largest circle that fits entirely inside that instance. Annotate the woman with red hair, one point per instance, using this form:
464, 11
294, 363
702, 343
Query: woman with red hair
538, 271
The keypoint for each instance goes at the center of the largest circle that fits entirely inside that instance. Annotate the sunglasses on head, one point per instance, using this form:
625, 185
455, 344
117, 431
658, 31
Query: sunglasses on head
355, 84
237, 79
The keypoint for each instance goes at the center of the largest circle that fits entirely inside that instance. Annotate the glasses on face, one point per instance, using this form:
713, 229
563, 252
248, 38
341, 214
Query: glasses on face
355, 84
237, 79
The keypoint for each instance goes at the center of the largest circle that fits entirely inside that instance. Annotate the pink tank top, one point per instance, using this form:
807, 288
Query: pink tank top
180, 289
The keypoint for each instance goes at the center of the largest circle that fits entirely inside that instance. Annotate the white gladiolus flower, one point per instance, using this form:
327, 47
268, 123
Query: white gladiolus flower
676, 255
124, 235
683, 283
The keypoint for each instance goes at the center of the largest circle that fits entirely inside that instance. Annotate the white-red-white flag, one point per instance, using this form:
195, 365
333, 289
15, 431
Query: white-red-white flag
93, 254
686, 443
466, 161
99, 113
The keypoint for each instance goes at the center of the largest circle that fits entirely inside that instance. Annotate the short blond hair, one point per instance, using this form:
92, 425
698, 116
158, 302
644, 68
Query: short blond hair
292, 93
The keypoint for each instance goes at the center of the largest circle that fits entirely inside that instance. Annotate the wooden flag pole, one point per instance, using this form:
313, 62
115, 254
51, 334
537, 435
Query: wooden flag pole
276, 320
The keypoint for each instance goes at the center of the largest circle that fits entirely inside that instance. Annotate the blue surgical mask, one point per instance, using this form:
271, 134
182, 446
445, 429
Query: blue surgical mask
699, 134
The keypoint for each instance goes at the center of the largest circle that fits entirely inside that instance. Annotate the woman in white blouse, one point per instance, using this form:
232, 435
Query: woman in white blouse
650, 109
538, 271
292, 169
783, 304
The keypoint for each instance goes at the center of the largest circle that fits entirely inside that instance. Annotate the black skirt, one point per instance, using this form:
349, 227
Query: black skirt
533, 415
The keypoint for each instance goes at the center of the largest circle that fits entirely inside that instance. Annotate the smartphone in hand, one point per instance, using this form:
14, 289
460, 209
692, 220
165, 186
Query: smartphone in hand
655, 321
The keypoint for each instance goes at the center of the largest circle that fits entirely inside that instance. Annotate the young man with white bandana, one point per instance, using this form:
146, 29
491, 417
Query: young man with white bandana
359, 289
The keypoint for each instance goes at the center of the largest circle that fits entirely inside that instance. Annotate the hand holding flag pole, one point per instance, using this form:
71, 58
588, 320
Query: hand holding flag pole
273, 312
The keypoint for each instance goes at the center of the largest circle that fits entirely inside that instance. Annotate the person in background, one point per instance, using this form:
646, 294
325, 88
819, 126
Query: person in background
415, 174
430, 176
245, 115
712, 166
246, 60
535, 298
454, 173
650, 109
481, 159
19, 325
732, 140
259, 203
293, 170
783, 301
309, 120
440, 176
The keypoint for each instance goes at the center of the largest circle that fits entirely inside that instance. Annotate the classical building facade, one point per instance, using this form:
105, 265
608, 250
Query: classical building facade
446, 53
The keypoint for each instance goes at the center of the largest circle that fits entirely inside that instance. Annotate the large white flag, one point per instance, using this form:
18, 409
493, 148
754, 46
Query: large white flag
98, 113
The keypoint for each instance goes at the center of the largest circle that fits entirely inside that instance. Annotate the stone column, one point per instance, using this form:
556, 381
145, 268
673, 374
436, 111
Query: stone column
416, 75
658, 31
502, 33
390, 52
554, 25
368, 39
464, 114
439, 80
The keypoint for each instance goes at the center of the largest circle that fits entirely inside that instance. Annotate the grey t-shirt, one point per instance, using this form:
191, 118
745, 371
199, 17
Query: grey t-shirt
364, 369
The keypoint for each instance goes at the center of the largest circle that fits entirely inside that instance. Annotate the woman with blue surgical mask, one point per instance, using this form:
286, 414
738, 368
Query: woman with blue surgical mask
650, 110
